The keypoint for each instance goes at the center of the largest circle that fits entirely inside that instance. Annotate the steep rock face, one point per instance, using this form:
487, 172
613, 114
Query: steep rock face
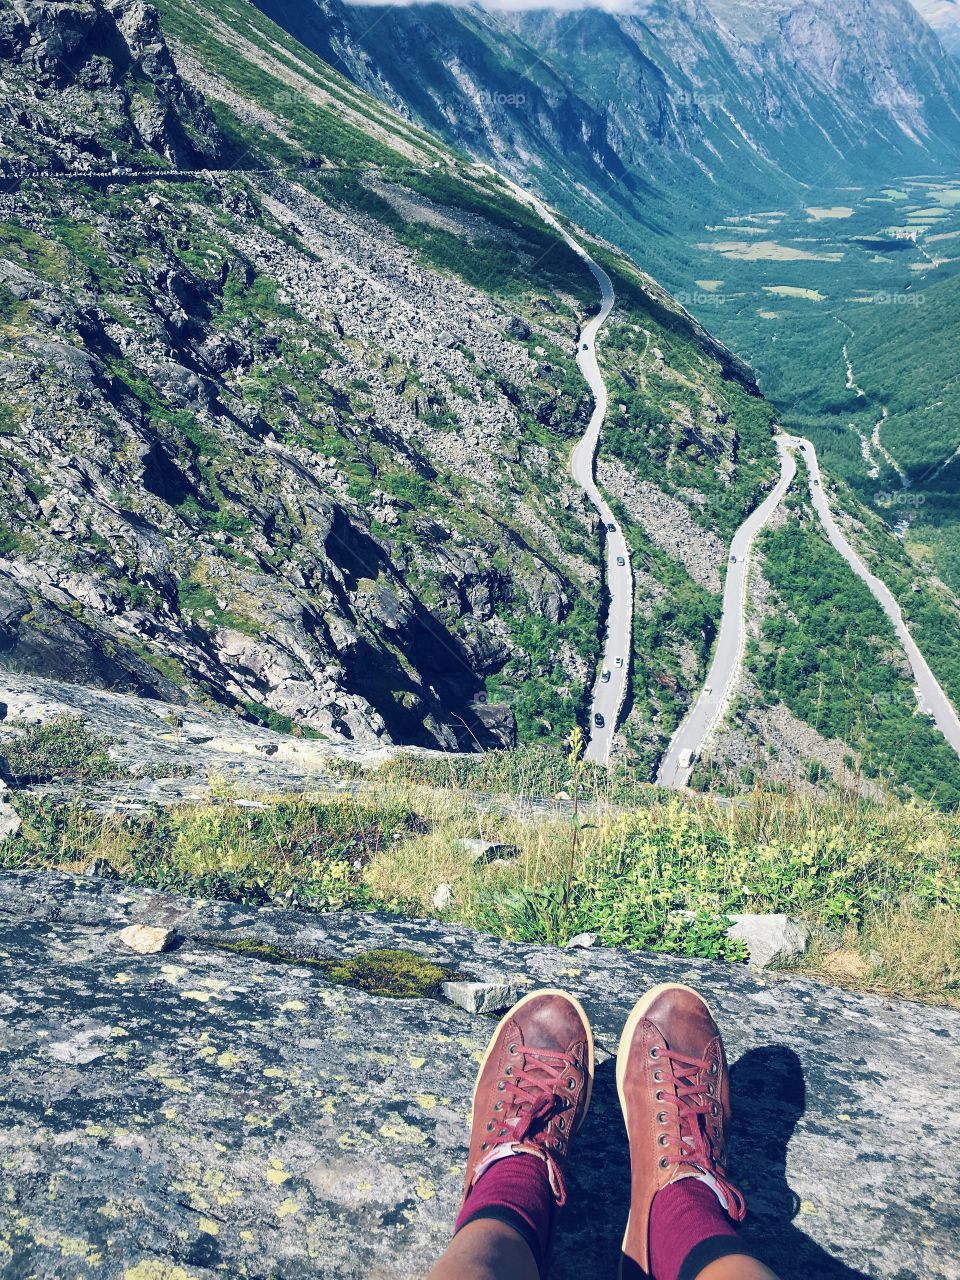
112, 57
290, 434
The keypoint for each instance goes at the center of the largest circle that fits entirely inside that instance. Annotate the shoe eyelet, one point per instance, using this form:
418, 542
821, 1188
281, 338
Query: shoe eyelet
662, 1117
713, 1068
658, 1096
658, 1076
489, 1126
662, 1140
508, 1071
710, 1091
716, 1133
483, 1146
498, 1106
714, 1109
654, 1051
561, 1123
503, 1133
664, 1162
571, 1084
512, 1049
501, 1086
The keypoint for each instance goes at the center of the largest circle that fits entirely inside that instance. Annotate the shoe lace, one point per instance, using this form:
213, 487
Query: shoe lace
691, 1143
532, 1088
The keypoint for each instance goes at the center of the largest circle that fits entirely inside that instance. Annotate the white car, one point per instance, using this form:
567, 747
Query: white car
605, 677
619, 662
733, 559
686, 758
708, 689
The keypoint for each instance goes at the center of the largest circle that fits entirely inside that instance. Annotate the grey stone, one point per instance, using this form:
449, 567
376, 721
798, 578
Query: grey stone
443, 896
483, 997
582, 940
9, 821
770, 938
251, 1118
486, 850
147, 939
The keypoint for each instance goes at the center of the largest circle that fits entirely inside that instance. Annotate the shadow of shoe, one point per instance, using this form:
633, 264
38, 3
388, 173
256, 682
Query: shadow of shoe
598, 1188
768, 1097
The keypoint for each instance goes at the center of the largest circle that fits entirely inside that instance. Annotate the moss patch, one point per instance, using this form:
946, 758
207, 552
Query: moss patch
396, 974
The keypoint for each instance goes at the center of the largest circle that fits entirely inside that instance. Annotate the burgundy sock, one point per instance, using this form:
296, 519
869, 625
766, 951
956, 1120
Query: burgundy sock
689, 1229
515, 1190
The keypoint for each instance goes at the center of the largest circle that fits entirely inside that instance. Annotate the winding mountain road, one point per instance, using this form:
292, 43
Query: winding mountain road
610, 690
711, 706
708, 711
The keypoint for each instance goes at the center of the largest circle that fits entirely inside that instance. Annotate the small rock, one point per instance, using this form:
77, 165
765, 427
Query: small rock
770, 937
486, 850
147, 939
582, 940
9, 822
482, 997
443, 896
102, 868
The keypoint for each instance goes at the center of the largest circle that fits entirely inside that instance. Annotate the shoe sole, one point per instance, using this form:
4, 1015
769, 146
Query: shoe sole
534, 995
637, 1014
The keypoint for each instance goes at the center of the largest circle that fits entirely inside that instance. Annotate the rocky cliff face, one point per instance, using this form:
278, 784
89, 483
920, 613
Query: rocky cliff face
287, 392
112, 57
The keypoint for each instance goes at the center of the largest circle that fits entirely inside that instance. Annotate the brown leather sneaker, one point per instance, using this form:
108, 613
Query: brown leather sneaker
534, 1084
675, 1095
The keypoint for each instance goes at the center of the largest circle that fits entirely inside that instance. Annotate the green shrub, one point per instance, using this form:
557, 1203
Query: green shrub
63, 747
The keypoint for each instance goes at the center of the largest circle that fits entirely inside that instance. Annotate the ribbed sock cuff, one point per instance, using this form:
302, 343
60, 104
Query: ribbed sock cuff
515, 1191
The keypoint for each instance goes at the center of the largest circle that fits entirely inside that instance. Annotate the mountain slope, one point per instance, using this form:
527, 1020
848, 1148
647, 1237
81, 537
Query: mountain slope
294, 439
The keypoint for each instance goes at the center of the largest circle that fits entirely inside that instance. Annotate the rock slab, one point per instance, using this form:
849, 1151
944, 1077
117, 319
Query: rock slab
208, 1113
770, 938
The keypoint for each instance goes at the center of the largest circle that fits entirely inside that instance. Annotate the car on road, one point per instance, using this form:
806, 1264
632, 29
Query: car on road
605, 677
816, 482
611, 528
733, 559
707, 689
586, 346
687, 758
599, 721
618, 662
621, 563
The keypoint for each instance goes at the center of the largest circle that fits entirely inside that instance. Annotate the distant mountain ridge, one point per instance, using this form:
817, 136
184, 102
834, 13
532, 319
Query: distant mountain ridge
944, 17
646, 118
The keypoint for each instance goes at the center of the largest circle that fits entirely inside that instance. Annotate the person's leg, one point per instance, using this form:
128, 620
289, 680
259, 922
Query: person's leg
736, 1267
486, 1250
672, 1081
531, 1096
